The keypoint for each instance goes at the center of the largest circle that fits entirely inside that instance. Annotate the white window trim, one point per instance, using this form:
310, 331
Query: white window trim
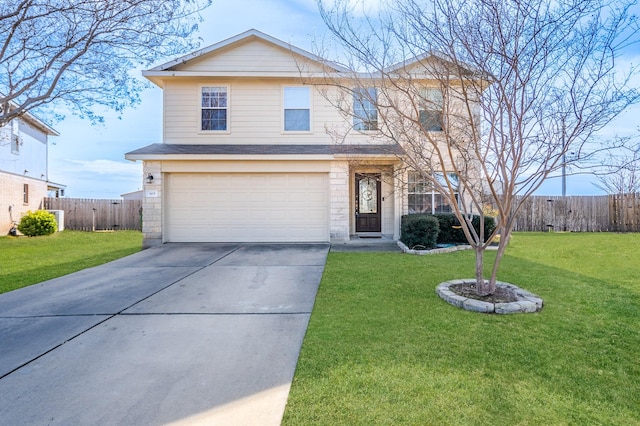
14, 137
199, 117
15, 144
377, 126
282, 109
431, 191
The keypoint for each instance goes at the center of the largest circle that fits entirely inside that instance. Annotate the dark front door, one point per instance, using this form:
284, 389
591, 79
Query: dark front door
368, 203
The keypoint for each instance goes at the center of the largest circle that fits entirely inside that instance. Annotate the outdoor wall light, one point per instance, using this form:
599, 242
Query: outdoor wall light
149, 178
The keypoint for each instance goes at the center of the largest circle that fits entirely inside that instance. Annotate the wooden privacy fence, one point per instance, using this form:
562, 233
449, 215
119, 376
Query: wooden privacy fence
83, 214
603, 213
624, 212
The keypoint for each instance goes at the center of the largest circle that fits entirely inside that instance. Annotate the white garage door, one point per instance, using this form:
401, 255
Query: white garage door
261, 207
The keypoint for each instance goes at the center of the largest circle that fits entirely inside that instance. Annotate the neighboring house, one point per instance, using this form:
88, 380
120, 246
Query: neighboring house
248, 153
24, 176
135, 195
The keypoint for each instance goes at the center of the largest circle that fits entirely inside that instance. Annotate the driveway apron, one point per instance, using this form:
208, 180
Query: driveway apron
176, 334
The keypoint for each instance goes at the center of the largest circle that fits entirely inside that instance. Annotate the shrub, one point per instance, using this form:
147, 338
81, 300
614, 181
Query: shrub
419, 230
40, 222
450, 231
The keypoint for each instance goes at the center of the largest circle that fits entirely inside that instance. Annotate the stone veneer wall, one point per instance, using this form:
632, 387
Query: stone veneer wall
339, 199
11, 187
152, 206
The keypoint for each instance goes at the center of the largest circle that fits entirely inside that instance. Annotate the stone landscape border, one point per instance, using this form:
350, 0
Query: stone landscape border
450, 249
527, 302
406, 249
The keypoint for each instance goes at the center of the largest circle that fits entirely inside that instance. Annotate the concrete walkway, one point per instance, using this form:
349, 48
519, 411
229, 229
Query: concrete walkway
177, 334
364, 244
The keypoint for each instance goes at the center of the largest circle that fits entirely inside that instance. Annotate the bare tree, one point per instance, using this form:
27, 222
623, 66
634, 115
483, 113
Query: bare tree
521, 83
81, 52
619, 175
620, 172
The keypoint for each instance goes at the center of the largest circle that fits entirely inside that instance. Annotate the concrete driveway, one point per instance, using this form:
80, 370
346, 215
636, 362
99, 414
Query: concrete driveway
182, 333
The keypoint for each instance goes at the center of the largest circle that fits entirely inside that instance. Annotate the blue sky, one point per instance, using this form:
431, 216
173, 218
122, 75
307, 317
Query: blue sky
89, 159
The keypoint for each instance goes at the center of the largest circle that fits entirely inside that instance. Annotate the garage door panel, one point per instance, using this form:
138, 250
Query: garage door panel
262, 207
278, 197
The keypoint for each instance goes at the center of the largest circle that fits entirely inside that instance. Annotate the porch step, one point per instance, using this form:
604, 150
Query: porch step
365, 243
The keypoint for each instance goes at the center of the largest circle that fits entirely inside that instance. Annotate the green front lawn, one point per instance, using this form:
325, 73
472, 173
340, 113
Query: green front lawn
383, 349
30, 260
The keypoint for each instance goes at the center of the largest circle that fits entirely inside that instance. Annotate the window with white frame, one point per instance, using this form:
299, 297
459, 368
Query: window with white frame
431, 110
15, 137
214, 108
422, 196
365, 113
297, 109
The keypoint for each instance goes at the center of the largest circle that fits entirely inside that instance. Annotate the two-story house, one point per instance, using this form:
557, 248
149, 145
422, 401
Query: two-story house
249, 153
24, 174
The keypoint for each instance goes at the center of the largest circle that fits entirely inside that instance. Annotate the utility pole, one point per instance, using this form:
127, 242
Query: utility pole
564, 178
564, 175
564, 162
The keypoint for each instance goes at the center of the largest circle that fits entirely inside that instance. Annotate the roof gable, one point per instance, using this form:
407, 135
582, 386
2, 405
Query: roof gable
251, 51
34, 121
429, 65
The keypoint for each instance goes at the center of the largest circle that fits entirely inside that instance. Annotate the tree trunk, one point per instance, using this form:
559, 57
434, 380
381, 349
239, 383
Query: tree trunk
483, 287
502, 246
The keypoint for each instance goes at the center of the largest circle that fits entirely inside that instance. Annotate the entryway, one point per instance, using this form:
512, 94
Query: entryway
368, 196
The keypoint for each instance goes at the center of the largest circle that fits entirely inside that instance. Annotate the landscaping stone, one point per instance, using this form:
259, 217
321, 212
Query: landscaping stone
526, 302
407, 250
477, 306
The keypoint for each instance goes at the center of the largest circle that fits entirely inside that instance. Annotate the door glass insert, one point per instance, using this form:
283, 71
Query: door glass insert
368, 196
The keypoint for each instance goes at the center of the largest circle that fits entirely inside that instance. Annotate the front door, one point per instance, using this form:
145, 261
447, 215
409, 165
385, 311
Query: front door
368, 203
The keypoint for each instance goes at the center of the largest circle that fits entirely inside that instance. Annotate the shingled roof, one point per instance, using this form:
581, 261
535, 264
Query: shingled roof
159, 149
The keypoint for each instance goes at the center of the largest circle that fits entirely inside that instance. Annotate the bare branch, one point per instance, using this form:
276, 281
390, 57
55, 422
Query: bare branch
81, 52
524, 82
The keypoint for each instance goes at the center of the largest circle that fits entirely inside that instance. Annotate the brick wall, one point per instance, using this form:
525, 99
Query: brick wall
339, 198
152, 205
11, 194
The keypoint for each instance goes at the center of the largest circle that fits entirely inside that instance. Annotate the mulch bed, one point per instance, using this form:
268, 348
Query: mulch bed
501, 295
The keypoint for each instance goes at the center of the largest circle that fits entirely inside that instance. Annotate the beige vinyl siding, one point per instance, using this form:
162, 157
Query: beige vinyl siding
255, 114
251, 56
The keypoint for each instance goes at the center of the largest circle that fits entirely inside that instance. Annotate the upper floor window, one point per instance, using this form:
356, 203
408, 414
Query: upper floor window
423, 197
297, 109
365, 113
214, 108
15, 137
25, 193
432, 110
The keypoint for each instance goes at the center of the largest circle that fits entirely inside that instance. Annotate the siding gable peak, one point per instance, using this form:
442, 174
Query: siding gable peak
245, 50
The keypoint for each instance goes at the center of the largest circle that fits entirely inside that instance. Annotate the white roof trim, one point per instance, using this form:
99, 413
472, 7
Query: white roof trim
35, 121
39, 123
423, 57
